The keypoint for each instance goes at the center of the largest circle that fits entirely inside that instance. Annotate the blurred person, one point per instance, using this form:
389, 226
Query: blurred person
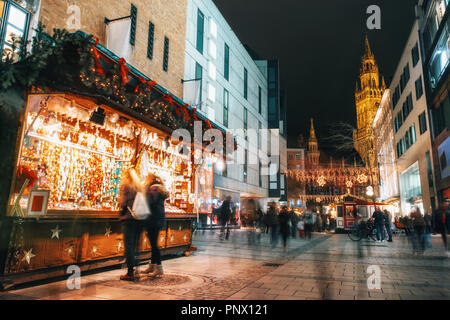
388, 224
130, 227
319, 223
441, 220
309, 222
284, 223
418, 223
294, 221
156, 194
428, 230
224, 216
301, 228
378, 219
272, 221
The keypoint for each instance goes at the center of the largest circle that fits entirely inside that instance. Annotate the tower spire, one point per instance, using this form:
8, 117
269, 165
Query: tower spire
312, 132
368, 51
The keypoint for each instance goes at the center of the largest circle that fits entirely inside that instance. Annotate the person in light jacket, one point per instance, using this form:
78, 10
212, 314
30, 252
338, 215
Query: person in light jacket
156, 194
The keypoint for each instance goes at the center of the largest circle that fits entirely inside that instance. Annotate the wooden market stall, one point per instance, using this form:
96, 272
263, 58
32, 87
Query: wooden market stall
70, 150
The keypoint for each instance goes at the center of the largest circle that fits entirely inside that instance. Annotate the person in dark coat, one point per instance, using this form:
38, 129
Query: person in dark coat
272, 222
378, 218
224, 216
156, 194
283, 220
419, 230
388, 224
130, 227
294, 222
441, 217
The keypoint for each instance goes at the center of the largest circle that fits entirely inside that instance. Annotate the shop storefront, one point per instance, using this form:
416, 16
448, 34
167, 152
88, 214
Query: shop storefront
73, 142
411, 189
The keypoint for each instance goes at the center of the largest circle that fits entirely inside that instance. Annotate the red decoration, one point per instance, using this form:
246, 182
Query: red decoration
168, 98
24, 173
141, 80
151, 84
123, 71
194, 111
98, 66
186, 114
209, 124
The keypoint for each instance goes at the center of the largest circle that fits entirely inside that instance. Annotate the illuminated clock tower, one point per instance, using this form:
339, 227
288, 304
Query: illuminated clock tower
368, 93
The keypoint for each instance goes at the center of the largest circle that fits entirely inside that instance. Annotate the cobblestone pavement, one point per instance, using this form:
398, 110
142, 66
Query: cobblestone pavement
327, 267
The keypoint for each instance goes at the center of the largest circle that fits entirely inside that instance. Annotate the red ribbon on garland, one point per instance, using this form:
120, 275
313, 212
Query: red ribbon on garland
168, 98
123, 71
209, 124
151, 84
194, 111
98, 66
141, 80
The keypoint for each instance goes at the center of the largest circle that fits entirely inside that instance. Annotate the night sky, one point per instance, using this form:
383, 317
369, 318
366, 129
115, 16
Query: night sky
319, 45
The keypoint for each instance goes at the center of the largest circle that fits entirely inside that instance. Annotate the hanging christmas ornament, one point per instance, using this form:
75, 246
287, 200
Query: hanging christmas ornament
362, 178
321, 181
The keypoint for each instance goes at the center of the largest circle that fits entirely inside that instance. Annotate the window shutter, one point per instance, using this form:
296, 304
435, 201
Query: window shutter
166, 54
133, 25
151, 38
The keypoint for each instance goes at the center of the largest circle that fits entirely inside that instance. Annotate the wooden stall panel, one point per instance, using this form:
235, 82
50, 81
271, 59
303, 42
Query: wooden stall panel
179, 233
105, 241
144, 243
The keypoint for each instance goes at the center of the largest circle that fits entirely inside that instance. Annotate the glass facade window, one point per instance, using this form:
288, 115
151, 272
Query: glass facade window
245, 83
410, 188
404, 78
226, 63
14, 22
245, 118
226, 101
259, 100
199, 76
200, 30
434, 19
396, 96
440, 57
441, 117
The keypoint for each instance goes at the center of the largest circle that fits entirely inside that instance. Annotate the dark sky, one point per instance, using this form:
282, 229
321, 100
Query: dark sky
319, 45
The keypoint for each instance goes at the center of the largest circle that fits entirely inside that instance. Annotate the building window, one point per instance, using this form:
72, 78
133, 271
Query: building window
415, 54
166, 54
14, 22
226, 101
396, 96
200, 30
419, 88
404, 78
151, 39
226, 63
259, 134
422, 123
259, 173
407, 107
259, 100
246, 167
245, 83
298, 157
199, 76
245, 118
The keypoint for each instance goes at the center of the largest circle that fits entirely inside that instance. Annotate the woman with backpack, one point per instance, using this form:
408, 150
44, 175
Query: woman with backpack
156, 194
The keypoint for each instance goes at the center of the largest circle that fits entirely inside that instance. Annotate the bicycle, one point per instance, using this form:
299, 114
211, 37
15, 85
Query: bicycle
363, 230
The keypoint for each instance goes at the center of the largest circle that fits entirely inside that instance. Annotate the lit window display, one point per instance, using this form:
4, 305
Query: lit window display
440, 57
78, 151
411, 189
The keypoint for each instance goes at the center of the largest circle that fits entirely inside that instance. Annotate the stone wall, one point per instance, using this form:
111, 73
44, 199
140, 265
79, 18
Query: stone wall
168, 16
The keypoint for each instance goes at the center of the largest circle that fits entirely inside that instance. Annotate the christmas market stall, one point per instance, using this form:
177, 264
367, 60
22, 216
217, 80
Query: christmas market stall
74, 116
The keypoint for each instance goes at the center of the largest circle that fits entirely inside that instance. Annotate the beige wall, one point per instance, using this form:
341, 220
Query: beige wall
168, 16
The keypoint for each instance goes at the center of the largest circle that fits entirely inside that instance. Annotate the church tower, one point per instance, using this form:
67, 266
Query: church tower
368, 93
313, 147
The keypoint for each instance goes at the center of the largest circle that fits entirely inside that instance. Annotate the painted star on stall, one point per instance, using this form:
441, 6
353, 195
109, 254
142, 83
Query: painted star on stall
55, 232
28, 255
108, 231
